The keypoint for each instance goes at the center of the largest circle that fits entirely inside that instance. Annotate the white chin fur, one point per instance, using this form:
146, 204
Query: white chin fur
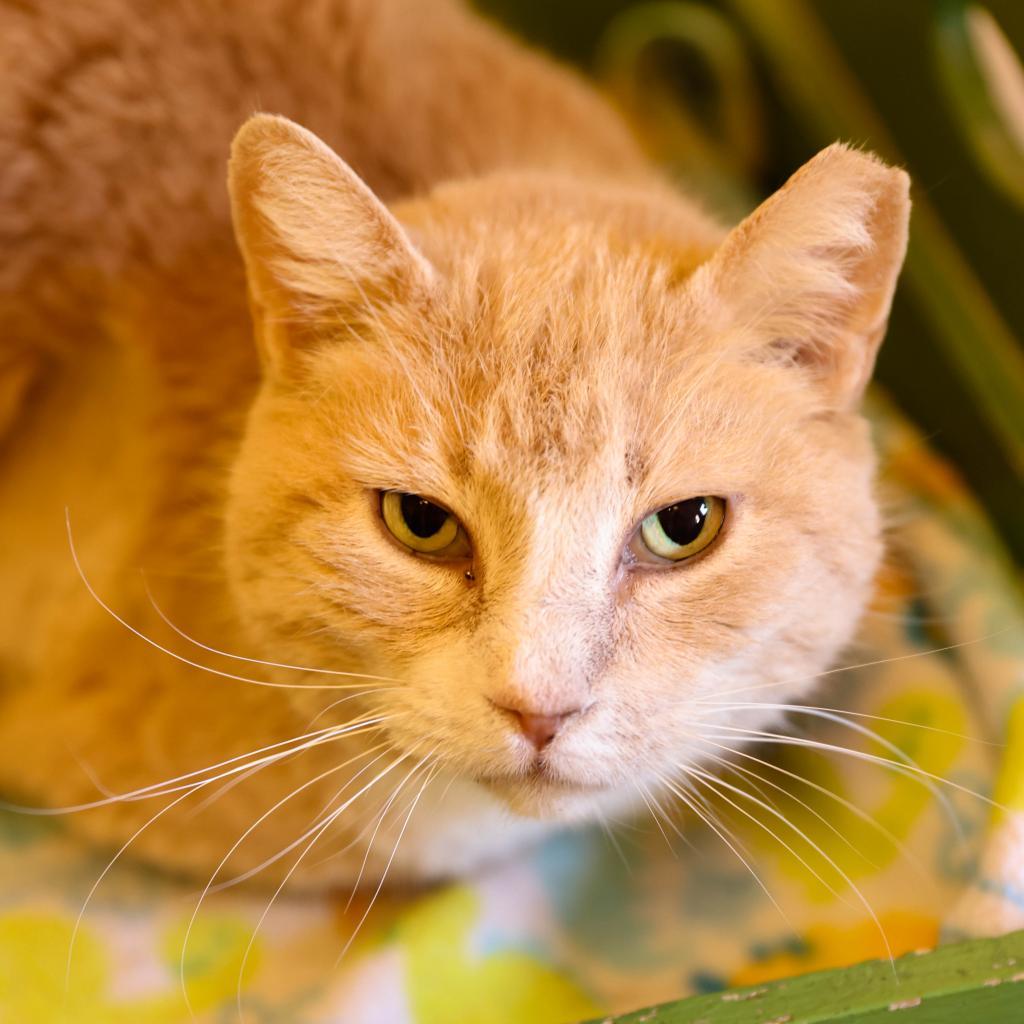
463, 825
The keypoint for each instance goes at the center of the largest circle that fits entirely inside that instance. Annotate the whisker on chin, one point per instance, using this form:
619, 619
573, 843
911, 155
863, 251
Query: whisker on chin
439, 763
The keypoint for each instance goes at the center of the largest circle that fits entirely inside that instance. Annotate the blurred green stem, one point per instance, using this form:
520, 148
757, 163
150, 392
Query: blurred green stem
967, 41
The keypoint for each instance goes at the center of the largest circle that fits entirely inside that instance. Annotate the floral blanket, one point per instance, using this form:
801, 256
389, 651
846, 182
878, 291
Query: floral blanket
873, 861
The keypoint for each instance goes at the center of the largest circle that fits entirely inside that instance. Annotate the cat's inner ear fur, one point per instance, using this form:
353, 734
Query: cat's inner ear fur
808, 278
323, 255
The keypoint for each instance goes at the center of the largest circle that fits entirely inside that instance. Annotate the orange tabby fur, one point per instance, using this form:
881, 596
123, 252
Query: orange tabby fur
537, 333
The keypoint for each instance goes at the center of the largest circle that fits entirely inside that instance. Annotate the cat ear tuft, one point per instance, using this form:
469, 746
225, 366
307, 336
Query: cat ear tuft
321, 251
808, 278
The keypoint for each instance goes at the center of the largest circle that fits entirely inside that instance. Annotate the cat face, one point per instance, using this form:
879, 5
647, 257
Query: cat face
523, 372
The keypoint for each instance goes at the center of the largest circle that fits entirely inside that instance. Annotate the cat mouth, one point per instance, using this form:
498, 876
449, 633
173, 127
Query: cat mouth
539, 777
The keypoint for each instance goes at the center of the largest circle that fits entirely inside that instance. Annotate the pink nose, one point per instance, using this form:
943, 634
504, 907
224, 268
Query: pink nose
540, 730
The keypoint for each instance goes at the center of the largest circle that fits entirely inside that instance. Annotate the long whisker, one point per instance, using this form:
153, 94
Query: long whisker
342, 700
666, 814
253, 661
920, 774
379, 822
355, 840
387, 867
842, 801
253, 871
712, 782
195, 664
606, 828
810, 709
176, 785
316, 821
866, 664
757, 778
871, 734
646, 798
238, 779
716, 783
732, 844
291, 871
103, 874
433, 734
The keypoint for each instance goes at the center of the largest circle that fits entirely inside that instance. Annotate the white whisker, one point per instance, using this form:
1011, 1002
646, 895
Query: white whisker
318, 819
925, 778
867, 664
752, 775
842, 801
176, 785
255, 661
732, 844
812, 709
387, 867
103, 874
291, 871
713, 782
647, 799
717, 784
871, 734
379, 822
188, 661
254, 871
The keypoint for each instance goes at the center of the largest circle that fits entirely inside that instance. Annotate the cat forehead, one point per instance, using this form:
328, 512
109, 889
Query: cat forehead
540, 232
559, 335
459, 408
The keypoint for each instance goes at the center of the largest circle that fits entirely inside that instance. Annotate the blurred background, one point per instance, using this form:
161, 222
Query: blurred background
733, 95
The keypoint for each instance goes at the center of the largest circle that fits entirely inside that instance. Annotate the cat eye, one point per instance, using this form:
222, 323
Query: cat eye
680, 531
423, 526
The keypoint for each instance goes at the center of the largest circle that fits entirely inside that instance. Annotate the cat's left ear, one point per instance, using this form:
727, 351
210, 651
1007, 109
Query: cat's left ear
322, 253
807, 279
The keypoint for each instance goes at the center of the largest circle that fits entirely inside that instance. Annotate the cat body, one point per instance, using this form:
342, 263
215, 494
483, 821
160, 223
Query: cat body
491, 301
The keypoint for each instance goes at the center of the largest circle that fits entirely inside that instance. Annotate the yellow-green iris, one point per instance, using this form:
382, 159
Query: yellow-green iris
684, 529
419, 523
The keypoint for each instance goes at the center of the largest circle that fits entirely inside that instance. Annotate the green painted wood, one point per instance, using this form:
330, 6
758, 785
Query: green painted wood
978, 982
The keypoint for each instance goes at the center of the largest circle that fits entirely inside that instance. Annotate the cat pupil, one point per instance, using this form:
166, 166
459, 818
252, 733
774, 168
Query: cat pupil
423, 517
684, 521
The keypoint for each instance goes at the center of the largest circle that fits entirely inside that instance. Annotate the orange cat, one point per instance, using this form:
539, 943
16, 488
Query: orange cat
525, 468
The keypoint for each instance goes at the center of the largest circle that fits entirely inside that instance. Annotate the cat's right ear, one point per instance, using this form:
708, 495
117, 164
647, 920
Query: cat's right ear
322, 253
807, 280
